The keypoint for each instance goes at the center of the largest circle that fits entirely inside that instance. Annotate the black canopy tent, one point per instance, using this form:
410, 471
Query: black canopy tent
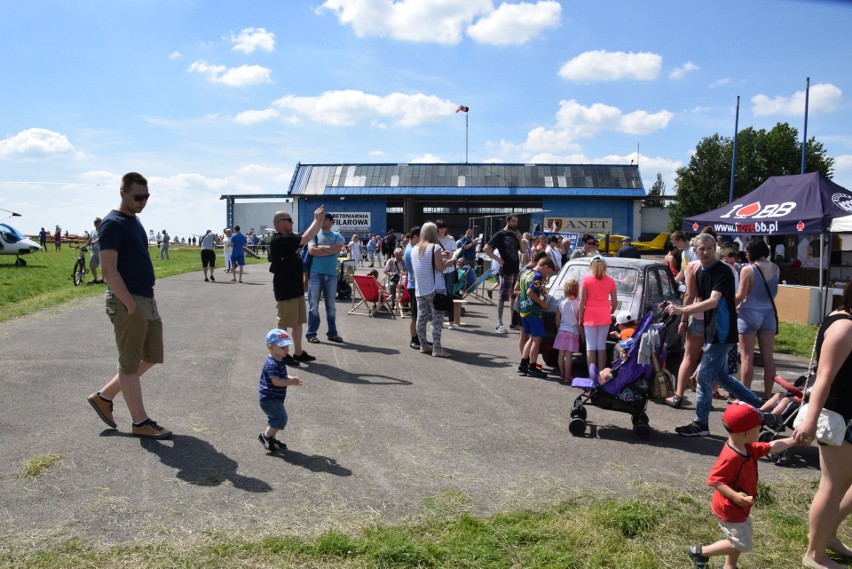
801, 204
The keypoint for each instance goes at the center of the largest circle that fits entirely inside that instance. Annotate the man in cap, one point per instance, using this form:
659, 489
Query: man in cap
324, 249
627, 250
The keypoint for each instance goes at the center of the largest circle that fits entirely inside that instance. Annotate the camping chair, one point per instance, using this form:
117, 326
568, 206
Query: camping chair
479, 283
372, 298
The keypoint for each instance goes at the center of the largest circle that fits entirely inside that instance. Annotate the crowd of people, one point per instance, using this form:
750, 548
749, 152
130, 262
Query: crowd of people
735, 306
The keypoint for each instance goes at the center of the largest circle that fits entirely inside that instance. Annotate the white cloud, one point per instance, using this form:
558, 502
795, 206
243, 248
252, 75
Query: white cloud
443, 21
254, 117
377, 153
843, 170
428, 159
175, 55
515, 24
574, 122
250, 39
679, 72
347, 107
720, 82
603, 65
35, 143
233, 76
824, 97
582, 121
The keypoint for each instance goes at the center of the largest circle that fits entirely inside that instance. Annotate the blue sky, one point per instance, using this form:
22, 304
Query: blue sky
208, 97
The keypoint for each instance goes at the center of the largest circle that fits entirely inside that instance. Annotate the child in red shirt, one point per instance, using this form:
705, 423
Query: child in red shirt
734, 476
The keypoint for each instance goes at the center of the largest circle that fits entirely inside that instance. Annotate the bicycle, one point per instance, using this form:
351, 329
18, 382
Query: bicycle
80, 269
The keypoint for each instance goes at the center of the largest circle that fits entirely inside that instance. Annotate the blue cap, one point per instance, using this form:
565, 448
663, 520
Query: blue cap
279, 338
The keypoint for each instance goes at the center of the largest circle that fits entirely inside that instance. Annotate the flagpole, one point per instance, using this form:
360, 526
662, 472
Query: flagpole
805, 136
734, 155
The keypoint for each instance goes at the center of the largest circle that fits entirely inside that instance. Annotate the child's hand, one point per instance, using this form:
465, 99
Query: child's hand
294, 381
743, 500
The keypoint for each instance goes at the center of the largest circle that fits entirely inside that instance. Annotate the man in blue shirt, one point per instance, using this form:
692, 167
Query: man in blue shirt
238, 253
130, 305
324, 249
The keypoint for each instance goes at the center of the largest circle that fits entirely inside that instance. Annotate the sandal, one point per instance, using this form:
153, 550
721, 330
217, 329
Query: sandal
313, 340
699, 560
674, 401
718, 395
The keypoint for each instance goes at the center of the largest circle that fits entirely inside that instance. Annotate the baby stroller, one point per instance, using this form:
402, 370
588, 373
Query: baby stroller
781, 415
345, 270
630, 387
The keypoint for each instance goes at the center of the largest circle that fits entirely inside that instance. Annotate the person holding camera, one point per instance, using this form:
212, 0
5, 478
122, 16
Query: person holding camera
393, 270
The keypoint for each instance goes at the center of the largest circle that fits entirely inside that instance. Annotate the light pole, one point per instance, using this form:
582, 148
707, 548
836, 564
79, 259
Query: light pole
464, 109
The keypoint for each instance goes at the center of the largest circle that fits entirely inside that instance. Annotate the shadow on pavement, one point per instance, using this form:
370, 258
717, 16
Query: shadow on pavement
343, 376
315, 463
198, 462
363, 348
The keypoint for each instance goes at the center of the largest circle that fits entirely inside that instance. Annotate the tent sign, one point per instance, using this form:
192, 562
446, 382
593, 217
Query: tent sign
351, 222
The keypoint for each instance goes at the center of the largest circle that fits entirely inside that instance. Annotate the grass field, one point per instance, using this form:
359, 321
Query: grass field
46, 280
646, 531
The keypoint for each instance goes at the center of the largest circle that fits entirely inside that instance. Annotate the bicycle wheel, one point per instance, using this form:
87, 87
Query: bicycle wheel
79, 271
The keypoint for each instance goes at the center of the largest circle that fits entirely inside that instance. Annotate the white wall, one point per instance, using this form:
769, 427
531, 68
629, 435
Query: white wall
257, 215
654, 219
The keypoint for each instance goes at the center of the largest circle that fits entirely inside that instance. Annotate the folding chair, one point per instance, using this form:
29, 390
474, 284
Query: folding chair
474, 288
372, 298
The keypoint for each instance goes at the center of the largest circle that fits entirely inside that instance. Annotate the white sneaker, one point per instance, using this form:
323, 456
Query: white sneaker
502, 329
452, 326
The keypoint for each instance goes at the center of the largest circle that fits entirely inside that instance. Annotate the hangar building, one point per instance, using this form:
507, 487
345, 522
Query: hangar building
373, 198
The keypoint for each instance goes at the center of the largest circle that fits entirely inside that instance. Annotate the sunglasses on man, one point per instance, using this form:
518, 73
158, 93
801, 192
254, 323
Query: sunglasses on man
140, 197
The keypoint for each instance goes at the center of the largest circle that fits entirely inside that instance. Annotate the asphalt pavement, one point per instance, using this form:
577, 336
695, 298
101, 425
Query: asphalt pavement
377, 432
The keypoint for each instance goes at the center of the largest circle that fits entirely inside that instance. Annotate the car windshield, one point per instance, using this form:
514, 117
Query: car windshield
10, 234
625, 278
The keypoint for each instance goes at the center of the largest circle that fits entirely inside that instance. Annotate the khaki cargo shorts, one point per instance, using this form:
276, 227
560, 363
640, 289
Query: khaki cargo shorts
291, 312
138, 336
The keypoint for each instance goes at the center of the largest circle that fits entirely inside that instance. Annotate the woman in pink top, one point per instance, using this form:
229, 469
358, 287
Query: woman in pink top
598, 301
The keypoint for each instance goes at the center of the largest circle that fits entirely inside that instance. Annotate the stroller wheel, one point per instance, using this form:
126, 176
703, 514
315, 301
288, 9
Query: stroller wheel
578, 412
642, 431
782, 458
766, 437
577, 426
640, 419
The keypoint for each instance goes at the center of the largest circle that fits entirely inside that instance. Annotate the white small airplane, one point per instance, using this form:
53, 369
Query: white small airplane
13, 242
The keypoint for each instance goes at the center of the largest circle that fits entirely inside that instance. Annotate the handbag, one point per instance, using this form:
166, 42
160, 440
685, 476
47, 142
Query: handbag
831, 426
442, 302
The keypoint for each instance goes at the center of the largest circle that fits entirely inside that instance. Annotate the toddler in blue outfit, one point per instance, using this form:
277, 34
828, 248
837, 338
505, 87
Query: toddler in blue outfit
273, 388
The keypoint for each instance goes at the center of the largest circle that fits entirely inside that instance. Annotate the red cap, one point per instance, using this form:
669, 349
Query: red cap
741, 417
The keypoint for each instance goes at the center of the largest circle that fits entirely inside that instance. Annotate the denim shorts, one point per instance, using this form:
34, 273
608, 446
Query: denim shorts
750, 321
275, 413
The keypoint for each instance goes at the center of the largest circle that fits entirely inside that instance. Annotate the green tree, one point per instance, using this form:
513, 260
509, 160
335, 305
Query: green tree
658, 189
704, 184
